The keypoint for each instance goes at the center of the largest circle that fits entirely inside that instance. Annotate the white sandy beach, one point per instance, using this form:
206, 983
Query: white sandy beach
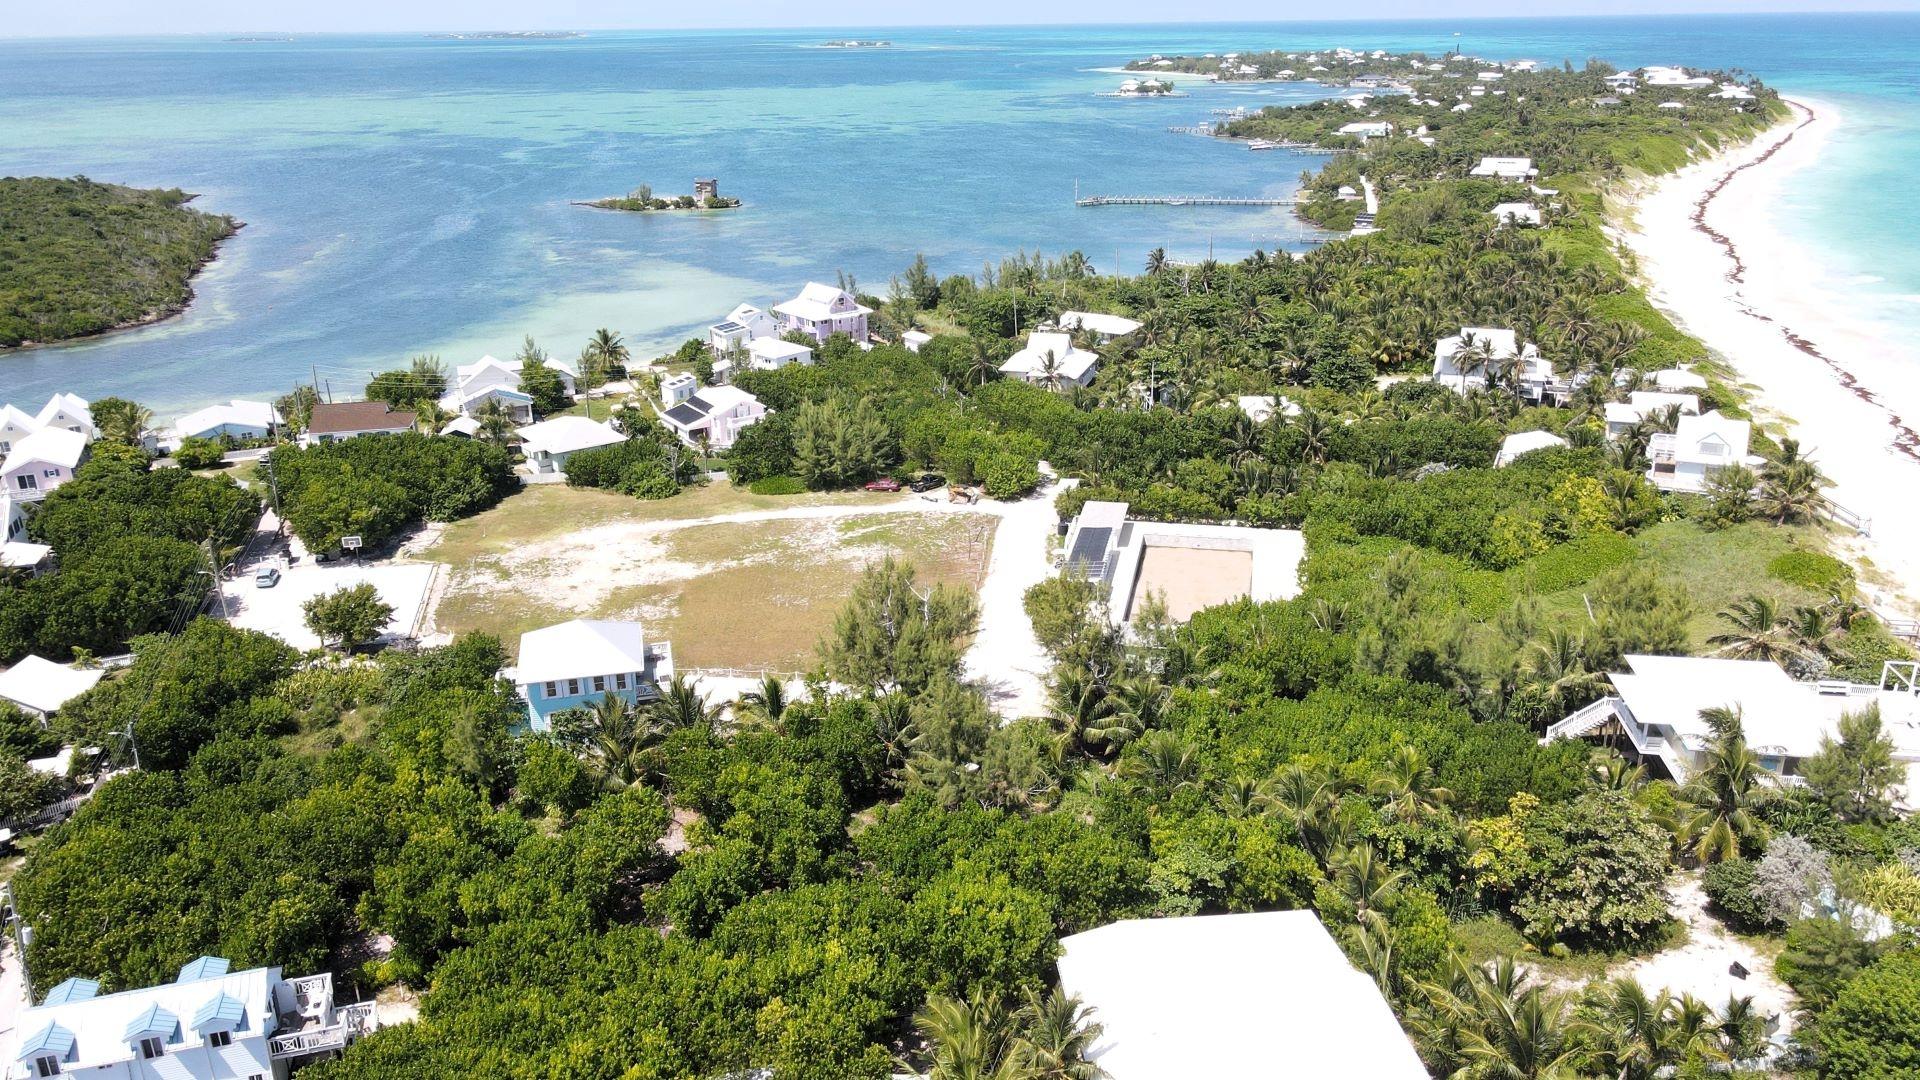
1844, 386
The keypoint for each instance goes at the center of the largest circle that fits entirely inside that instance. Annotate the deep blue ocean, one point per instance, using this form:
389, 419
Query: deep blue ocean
406, 194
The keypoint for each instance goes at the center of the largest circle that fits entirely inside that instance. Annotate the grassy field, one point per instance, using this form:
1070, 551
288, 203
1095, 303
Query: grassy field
727, 594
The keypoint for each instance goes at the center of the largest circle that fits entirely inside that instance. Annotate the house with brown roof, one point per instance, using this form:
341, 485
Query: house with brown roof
336, 420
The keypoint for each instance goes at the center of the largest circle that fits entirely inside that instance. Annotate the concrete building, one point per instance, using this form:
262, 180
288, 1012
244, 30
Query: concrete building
579, 662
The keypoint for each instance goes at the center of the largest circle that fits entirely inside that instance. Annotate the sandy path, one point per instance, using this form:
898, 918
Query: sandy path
1844, 387
1701, 966
1006, 658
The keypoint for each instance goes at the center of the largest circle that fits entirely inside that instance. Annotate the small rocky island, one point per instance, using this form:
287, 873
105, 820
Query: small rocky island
855, 43
706, 196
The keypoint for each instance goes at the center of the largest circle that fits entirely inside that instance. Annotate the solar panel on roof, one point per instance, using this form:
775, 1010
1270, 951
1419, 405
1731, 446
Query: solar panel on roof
686, 414
1090, 548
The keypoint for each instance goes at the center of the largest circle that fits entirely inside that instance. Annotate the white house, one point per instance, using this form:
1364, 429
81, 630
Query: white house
68, 412
1678, 380
32, 559
1674, 76
1367, 129
714, 416
1734, 92
1621, 80
41, 462
579, 662
1516, 213
41, 686
675, 389
1505, 168
236, 419
14, 426
1654, 711
1050, 358
743, 324
821, 311
1699, 447
1623, 415
772, 353
913, 339
1104, 327
549, 443
210, 1023
333, 421
1524, 442
1264, 994
1260, 408
488, 377
1461, 362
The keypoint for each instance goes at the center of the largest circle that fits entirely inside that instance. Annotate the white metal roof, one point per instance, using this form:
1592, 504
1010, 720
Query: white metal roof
72, 404
19, 553
100, 1027
55, 446
566, 434
579, 648
721, 398
252, 414
1526, 442
1679, 380
1099, 323
819, 303
773, 349
1267, 994
1692, 432
44, 686
1778, 714
1070, 362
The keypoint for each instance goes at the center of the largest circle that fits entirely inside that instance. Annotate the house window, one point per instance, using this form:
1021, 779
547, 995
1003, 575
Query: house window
27, 482
573, 687
46, 1066
152, 1047
599, 684
620, 681
220, 1038
51, 473
5, 447
553, 691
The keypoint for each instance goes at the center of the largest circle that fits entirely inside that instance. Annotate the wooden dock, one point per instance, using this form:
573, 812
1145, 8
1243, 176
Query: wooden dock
1175, 200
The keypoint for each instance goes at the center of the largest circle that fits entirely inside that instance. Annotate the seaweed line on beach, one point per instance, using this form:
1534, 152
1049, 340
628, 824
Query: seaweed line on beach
1905, 438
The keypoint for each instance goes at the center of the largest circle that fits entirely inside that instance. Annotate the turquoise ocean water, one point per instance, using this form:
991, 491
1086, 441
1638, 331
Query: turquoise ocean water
405, 194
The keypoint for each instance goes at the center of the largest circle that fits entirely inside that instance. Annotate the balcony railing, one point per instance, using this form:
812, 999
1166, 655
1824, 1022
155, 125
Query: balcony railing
350, 1023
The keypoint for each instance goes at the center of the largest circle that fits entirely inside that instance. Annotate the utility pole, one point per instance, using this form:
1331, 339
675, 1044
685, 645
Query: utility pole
273, 482
213, 556
22, 937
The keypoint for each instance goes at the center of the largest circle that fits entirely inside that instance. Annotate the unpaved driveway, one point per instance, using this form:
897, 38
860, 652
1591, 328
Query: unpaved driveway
1700, 967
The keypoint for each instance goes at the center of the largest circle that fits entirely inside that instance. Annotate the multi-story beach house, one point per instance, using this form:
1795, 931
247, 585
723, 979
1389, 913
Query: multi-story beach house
209, 1023
711, 417
772, 353
1505, 168
1051, 359
1482, 356
1699, 447
821, 311
41, 462
1640, 404
743, 324
1653, 712
576, 663
235, 420
490, 378
68, 412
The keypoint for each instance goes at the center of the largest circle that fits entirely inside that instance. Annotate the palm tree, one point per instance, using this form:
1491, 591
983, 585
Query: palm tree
1364, 878
496, 423
1163, 762
1301, 794
428, 416
1135, 706
971, 1040
682, 706
1790, 489
1407, 783
616, 738
1056, 1034
1638, 1036
1156, 261
1077, 705
767, 704
1723, 791
609, 349
1755, 631
121, 421
1507, 1026
982, 369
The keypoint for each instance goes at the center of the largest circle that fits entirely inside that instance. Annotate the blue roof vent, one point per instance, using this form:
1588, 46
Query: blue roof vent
206, 967
224, 1013
152, 1020
72, 990
51, 1040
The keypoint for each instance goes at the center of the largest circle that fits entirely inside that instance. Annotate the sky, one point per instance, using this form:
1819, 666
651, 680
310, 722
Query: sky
30, 18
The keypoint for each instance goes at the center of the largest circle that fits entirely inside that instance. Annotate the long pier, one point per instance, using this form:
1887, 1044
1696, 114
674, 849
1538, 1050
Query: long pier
1175, 200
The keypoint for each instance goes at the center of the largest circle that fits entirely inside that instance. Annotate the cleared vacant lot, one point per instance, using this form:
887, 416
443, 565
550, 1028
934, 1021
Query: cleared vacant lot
1191, 579
747, 593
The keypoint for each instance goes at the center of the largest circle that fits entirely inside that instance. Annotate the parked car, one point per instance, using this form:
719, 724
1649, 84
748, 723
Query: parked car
929, 481
885, 483
267, 577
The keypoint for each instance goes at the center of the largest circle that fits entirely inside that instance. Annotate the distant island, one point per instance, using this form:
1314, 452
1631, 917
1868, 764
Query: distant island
852, 43
1146, 88
258, 40
706, 196
509, 35
1335, 67
79, 258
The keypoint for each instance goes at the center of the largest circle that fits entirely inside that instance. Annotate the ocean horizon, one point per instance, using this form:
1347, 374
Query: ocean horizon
409, 194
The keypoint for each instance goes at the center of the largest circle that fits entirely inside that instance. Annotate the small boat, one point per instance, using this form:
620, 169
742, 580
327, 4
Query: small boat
1262, 144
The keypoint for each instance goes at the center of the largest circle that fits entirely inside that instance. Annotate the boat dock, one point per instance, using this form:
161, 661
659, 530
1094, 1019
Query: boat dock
1175, 200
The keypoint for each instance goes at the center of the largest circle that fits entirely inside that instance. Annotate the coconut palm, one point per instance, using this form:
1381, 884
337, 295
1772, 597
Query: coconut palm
616, 737
1056, 1034
1503, 1025
496, 423
766, 704
1077, 705
1755, 631
1790, 491
1363, 878
121, 421
681, 706
1407, 784
1156, 261
1135, 706
969, 1040
1638, 1036
1164, 762
1723, 791
606, 347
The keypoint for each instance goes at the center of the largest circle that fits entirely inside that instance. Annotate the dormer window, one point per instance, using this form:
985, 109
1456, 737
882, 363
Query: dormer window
218, 1039
46, 1066
151, 1047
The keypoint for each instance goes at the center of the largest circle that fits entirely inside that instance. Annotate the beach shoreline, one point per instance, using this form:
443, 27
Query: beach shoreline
1712, 257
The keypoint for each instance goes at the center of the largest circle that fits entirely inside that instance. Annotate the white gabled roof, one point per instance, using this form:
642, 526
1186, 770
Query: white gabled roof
1070, 362
252, 414
721, 398
18, 553
44, 686
461, 425
1267, 994
55, 446
98, 1030
818, 302
1691, 431
774, 349
1778, 714
72, 404
566, 434
1526, 442
17, 418
580, 648
1678, 380
1098, 322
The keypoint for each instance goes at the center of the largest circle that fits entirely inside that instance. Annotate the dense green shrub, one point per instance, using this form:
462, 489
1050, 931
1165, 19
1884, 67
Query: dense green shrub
1814, 570
372, 486
778, 485
643, 467
1730, 885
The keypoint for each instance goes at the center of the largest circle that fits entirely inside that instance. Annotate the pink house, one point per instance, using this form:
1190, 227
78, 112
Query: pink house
41, 462
821, 311
714, 417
